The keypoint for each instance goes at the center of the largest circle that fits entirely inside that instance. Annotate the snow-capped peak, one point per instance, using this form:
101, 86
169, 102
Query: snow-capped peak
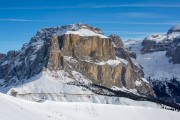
174, 29
156, 37
85, 32
80, 29
173, 32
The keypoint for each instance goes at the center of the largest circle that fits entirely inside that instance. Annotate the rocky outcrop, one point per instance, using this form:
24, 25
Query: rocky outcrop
117, 41
87, 53
132, 54
174, 29
158, 42
119, 47
132, 72
174, 51
103, 60
55, 57
2, 56
91, 46
26, 63
155, 43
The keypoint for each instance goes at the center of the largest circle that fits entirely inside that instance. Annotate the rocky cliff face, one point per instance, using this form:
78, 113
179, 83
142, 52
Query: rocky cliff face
155, 43
80, 48
174, 51
133, 71
174, 30
160, 42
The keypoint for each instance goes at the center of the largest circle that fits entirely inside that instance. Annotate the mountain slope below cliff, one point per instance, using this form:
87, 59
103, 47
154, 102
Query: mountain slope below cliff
18, 109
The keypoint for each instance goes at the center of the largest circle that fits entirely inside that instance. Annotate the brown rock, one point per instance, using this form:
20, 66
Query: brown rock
55, 58
92, 71
86, 52
129, 79
117, 41
92, 46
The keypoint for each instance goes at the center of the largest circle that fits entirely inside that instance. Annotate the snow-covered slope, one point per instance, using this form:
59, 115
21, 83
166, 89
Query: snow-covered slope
156, 65
46, 86
18, 109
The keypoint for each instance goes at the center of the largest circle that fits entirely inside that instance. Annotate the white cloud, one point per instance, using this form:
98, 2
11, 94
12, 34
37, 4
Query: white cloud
141, 15
39, 7
18, 20
143, 23
134, 5
91, 5
134, 33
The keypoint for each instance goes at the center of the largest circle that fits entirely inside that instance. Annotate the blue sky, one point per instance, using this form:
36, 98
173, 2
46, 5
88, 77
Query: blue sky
21, 19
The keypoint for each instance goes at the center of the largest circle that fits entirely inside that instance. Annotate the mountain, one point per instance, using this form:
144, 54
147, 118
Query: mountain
160, 42
72, 63
159, 57
77, 63
174, 51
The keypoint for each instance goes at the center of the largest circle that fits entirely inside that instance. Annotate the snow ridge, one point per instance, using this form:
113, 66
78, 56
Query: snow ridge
172, 33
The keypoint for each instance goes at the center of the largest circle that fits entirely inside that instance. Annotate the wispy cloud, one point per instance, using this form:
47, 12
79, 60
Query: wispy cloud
141, 15
40, 7
134, 32
95, 22
91, 5
134, 5
18, 20
141, 23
